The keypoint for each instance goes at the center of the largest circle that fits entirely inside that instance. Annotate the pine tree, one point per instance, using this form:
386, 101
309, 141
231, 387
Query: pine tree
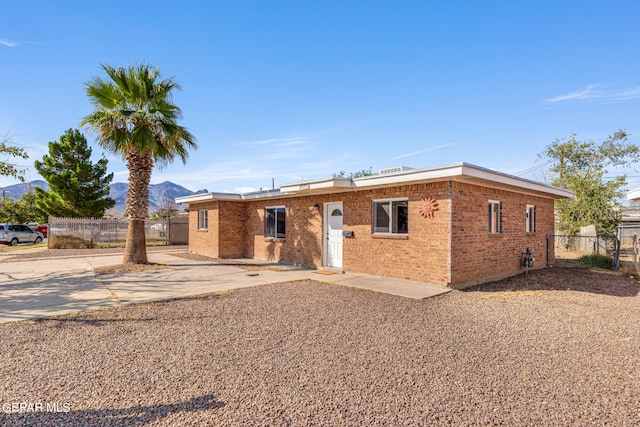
77, 186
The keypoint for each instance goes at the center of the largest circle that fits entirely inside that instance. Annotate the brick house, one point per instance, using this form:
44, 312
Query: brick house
455, 225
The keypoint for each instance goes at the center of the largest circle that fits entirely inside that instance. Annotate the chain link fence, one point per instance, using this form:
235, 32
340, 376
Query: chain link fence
629, 235
77, 233
576, 247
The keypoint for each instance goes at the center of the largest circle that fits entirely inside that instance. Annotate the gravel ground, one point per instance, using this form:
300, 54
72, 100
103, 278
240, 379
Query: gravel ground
559, 347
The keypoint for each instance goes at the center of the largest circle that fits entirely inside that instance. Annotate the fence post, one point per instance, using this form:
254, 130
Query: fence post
616, 256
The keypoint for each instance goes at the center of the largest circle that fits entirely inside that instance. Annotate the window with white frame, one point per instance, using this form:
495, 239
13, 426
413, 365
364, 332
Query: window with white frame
531, 219
274, 222
203, 220
391, 216
494, 217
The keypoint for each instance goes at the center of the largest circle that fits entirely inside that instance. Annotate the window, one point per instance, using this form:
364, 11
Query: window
274, 222
391, 216
494, 217
203, 220
531, 219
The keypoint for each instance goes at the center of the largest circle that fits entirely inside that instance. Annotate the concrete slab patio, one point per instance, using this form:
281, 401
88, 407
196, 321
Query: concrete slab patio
51, 286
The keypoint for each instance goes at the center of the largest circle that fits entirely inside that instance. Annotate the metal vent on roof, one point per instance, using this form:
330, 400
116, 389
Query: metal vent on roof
394, 170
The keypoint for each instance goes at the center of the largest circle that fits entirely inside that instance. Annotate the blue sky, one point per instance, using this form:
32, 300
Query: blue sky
291, 90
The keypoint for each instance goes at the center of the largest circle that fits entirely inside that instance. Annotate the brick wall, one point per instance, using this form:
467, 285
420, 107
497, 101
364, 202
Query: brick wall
231, 220
224, 237
422, 254
303, 242
204, 242
454, 248
478, 256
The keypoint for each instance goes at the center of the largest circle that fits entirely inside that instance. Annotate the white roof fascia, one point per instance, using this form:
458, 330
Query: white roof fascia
457, 170
460, 170
262, 194
319, 184
208, 196
410, 176
514, 181
633, 194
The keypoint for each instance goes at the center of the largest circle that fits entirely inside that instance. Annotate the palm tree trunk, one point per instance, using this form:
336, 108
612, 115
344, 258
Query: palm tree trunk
140, 166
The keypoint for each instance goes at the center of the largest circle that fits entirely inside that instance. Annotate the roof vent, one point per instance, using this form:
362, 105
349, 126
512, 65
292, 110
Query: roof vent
394, 170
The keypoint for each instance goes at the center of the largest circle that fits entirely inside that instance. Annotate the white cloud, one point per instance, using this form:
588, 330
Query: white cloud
242, 190
262, 141
597, 93
8, 43
13, 43
424, 150
631, 93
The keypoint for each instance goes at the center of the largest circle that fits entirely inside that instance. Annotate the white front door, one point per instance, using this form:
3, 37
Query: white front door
333, 234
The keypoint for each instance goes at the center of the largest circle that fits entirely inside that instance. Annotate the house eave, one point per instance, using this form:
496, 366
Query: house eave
460, 172
318, 186
205, 197
465, 172
633, 194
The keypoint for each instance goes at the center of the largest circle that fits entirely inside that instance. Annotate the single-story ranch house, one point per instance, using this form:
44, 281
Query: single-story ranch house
455, 225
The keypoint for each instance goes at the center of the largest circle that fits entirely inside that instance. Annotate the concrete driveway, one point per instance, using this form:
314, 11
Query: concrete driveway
50, 286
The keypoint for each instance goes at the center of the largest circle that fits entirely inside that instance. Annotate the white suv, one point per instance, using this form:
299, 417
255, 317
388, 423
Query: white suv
12, 234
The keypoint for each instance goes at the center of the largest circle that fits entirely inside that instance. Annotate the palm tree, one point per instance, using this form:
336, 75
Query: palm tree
135, 118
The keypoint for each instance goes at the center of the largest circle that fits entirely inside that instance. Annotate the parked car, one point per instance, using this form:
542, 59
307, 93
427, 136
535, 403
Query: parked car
12, 234
44, 229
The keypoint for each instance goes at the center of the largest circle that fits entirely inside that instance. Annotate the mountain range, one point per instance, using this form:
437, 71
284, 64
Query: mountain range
158, 193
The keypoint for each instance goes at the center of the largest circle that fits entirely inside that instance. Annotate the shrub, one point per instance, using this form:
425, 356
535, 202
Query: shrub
68, 242
596, 260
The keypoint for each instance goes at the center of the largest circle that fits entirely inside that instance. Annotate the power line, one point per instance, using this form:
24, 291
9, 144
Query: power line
531, 169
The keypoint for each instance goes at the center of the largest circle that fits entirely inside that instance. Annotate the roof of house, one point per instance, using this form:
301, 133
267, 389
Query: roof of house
461, 172
633, 194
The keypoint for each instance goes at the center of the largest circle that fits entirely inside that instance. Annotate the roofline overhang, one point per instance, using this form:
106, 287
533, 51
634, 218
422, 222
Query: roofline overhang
462, 172
633, 194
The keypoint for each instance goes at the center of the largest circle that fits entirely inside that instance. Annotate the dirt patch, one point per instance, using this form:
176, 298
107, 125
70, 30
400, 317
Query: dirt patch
566, 276
128, 268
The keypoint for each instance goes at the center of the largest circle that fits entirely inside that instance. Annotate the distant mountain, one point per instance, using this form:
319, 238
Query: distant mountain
158, 194
17, 190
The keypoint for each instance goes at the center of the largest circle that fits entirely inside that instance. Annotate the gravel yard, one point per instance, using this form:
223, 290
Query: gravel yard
558, 347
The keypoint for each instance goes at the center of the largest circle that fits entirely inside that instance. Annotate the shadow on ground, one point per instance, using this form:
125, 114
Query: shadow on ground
134, 416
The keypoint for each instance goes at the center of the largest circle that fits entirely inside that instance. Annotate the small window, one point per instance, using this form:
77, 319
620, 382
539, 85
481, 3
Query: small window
275, 222
391, 216
494, 217
531, 219
336, 212
203, 220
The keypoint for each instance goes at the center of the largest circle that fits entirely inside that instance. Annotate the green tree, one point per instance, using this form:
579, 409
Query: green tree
7, 168
134, 116
354, 175
22, 210
168, 209
77, 186
581, 166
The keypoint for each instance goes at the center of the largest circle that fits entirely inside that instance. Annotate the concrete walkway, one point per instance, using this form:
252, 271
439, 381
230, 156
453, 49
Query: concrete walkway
51, 286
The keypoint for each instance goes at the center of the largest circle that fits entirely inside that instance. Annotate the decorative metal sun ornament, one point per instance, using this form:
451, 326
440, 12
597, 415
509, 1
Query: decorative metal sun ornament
428, 207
